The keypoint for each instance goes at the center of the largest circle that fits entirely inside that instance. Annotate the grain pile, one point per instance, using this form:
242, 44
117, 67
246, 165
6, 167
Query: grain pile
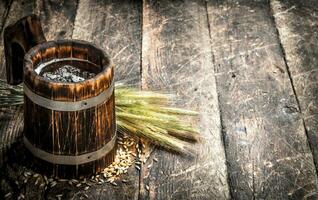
128, 153
123, 160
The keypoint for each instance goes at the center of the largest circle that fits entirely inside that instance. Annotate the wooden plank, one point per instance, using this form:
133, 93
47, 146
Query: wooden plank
54, 24
11, 125
176, 57
12, 120
18, 9
116, 28
4, 9
57, 18
266, 145
297, 24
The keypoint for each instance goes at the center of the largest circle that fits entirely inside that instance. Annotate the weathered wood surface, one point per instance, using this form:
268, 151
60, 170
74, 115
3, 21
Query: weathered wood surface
128, 68
297, 23
4, 114
265, 142
116, 27
4, 10
18, 39
70, 133
18, 9
176, 57
57, 17
11, 118
267, 155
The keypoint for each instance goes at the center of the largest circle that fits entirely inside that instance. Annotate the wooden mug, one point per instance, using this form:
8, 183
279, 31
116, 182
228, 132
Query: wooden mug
69, 128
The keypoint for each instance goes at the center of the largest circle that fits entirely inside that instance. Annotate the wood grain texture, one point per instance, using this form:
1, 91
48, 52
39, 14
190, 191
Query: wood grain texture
57, 17
297, 24
262, 123
10, 127
12, 124
115, 27
4, 115
70, 132
265, 141
18, 39
18, 9
176, 57
4, 9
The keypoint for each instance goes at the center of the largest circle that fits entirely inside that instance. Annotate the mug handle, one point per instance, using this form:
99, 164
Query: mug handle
19, 38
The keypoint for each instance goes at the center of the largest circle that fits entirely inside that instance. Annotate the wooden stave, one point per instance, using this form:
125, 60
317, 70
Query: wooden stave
38, 119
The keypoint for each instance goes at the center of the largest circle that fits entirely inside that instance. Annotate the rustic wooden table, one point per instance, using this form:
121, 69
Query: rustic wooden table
249, 67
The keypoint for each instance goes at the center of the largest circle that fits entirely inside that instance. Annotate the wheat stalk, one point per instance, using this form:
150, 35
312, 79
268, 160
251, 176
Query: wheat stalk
139, 113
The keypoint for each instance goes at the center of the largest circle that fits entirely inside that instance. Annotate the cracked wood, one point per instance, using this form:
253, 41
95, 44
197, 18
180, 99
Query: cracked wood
265, 142
115, 27
176, 57
297, 23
